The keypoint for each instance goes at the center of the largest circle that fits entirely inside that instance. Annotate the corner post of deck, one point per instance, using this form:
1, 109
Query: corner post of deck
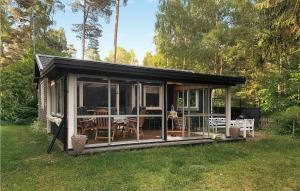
165, 111
228, 110
71, 101
48, 98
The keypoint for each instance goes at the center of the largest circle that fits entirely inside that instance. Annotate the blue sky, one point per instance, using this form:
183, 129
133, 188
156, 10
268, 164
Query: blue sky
136, 27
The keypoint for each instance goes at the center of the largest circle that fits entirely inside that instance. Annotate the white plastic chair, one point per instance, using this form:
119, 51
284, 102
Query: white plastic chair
246, 125
217, 123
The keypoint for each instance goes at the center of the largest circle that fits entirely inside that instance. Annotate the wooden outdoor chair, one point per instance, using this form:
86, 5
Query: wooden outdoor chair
132, 123
178, 126
178, 122
102, 125
84, 125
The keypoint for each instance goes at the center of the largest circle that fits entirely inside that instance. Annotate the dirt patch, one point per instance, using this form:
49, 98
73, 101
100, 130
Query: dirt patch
258, 135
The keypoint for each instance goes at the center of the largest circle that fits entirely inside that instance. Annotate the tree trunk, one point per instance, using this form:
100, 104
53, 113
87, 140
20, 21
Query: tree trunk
83, 30
215, 64
116, 31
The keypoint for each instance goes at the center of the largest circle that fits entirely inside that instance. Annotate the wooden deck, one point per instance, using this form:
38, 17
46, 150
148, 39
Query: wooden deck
143, 145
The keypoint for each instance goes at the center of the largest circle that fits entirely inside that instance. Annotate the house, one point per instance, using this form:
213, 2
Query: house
117, 104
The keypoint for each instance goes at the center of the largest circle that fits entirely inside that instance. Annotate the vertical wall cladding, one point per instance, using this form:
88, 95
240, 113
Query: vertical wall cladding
42, 101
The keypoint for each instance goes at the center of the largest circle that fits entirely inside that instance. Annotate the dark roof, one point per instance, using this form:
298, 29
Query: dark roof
48, 65
43, 60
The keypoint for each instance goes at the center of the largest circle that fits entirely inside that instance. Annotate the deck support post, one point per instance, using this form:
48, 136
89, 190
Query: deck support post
71, 111
228, 110
165, 111
109, 112
48, 106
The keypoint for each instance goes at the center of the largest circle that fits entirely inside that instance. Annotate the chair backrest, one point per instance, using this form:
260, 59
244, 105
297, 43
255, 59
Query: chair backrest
142, 118
249, 123
102, 122
178, 122
218, 122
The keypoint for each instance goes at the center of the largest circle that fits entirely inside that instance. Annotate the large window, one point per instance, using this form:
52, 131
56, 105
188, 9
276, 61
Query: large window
190, 97
57, 96
136, 110
153, 97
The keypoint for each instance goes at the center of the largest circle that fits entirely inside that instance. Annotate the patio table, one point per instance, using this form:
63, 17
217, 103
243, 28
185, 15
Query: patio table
121, 121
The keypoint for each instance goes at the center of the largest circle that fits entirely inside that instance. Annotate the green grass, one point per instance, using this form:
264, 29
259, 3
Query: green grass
269, 164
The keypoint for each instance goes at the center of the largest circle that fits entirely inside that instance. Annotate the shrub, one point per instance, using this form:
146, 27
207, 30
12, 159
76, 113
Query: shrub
18, 100
37, 126
289, 121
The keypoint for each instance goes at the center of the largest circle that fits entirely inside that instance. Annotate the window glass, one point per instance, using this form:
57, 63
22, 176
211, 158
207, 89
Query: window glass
179, 99
185, 99
57, 96
192, 97
95, 95
152, 96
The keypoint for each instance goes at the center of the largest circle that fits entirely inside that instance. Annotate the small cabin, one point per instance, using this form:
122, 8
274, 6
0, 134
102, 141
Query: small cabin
121, 104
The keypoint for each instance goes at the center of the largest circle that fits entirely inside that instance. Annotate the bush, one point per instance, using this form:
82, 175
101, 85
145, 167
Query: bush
37, 126
18, 100
289, 121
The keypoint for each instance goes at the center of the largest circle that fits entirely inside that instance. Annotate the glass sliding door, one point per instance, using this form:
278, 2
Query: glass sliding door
116, 111
124, 94
217, 109
92, 109
151, 119
192, 112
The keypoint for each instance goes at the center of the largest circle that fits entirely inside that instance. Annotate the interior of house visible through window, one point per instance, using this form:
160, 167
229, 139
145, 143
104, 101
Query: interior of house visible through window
192, 96
152, 96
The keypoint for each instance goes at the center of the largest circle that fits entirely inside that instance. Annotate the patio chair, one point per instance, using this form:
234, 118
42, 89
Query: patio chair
84, 125
178, 122
132, 123
246, 125
102, 125
217, 123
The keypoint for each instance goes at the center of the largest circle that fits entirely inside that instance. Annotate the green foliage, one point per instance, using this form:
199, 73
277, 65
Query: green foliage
90, 29
92, 54
255, 39
18, 92
37, 126
289, 121
27, 23
18, 100
123, 56
148, 59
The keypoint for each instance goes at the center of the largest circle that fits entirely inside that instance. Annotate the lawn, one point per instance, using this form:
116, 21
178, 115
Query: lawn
272, 163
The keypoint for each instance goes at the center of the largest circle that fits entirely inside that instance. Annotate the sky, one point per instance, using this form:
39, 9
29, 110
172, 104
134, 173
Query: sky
136, 28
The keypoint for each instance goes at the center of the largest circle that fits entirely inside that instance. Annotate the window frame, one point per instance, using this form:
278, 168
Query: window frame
57, 105
159, 107
196, 107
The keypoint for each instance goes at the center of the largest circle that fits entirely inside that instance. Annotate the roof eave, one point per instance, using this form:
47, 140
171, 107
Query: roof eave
109, 69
